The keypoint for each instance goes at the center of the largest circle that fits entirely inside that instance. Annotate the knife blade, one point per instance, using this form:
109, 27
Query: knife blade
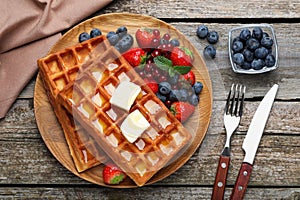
251, 142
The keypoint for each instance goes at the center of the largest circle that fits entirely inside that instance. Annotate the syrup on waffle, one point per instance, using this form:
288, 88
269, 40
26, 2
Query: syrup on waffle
57, 70
88, 98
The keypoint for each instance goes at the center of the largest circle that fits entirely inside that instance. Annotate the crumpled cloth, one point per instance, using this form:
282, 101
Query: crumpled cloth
28, 28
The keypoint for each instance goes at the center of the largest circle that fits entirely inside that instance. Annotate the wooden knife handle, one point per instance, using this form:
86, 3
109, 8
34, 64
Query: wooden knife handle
220, 180
241, 182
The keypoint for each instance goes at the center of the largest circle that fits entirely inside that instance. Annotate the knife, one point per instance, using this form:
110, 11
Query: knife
251, 143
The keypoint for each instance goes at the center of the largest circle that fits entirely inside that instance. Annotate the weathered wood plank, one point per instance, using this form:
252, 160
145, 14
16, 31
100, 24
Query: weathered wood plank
277, 162
139, 193
222, 76
207, 9
284, 119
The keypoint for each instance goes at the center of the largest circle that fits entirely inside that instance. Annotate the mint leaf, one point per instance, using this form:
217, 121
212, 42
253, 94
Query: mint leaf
182, 69
172, 72
165, 64
162, 62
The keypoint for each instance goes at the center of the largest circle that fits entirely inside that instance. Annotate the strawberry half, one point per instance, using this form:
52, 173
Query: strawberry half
181, 56
147, 38
135, 56
182, 110
112, 174
152, 85
190, 77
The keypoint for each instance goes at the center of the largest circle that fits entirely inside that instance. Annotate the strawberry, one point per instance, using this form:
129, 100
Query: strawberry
152, 85
135, 56
112, 174
147, 38
182, 110
181, 56
190, 77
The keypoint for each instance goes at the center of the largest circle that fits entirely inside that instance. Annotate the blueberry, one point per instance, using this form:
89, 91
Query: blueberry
121, 31
164, 88
212, 37
198, 86
174, 95
237, 46
270, 51
194, 99
267, 42
261, 52
252, 44
84, 36
161, 97
95, 32
246, 65
112, 37
265, 34
257, 33
238, 58
209, 51
184, 94
124, 43
270, 60
245, 34
202, 31
110, 34
248, 55
257, 64
175, 42
236, 39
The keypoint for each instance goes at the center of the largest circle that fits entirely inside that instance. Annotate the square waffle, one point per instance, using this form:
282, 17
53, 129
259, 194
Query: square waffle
57, 70
88, 98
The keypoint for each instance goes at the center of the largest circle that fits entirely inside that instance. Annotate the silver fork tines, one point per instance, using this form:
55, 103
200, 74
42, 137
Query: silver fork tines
233, 111
235, 100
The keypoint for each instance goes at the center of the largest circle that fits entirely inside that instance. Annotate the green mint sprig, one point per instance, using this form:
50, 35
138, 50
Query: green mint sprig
166, 64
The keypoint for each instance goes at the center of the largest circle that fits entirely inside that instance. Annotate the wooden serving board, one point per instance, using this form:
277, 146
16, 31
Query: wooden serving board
51, 131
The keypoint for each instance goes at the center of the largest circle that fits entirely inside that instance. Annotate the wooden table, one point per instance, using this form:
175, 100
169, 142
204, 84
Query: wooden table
29, 171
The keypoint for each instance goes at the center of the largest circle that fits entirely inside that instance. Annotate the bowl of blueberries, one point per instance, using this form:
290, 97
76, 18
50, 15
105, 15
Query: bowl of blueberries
253, 49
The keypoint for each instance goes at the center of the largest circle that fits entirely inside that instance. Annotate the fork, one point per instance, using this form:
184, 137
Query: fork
232, 115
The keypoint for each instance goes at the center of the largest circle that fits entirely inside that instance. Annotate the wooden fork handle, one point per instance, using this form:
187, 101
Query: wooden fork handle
220, 180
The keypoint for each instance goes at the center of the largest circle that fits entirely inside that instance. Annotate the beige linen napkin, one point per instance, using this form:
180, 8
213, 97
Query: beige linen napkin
28, 28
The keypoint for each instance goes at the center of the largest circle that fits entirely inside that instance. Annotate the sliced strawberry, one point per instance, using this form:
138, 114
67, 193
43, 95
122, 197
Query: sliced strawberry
147, 38
112, 174
181, 56
190, 77
135, 56
182, 110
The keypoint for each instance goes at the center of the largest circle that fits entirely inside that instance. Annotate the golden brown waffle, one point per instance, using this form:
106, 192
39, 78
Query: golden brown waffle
89, 100
57, 70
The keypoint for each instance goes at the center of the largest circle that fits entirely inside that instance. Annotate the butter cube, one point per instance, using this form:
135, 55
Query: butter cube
125, 94
134, 125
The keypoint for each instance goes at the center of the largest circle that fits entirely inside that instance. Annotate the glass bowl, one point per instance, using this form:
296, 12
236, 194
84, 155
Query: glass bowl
235, 32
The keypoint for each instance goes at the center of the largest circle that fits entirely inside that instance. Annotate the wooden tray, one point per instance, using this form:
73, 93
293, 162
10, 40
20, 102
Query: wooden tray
51, 131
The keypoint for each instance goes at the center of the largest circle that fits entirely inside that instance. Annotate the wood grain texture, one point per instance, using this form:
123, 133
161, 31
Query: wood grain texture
276, 164
89, 193
173, 9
